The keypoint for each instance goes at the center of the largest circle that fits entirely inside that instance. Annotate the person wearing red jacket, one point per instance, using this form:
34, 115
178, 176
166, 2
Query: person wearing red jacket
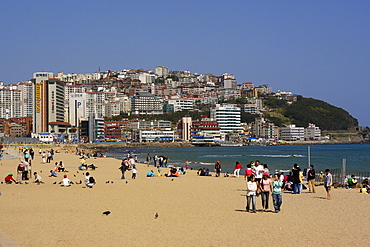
9, 179
237, 168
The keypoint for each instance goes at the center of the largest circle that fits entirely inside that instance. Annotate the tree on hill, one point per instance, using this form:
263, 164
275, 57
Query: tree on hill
326, 116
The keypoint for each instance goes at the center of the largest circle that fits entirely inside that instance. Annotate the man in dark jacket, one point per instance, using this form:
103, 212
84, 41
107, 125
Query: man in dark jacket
311, 179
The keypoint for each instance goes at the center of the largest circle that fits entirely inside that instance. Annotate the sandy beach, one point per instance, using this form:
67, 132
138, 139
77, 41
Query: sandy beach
192, 211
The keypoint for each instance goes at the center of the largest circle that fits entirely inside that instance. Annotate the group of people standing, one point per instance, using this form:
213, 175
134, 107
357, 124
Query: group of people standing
264, 187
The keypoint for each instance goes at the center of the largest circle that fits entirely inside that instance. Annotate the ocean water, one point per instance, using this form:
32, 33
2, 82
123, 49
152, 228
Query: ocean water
276, 157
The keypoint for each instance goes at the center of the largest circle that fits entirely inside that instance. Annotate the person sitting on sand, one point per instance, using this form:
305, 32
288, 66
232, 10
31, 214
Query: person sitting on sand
150, 174
53, 173
89, 181
66, 182
352, 182
173, 172
37, 178
61, 167
92, 167
9, 179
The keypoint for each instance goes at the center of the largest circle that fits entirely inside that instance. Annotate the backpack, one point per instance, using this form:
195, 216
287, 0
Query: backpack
91, 180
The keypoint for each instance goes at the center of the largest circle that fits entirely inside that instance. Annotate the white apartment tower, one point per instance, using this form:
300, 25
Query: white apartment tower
228, 117
26, 98
161, 71
10, 103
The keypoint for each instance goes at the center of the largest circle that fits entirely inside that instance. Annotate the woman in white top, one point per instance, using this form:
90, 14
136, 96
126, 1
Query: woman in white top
251, 193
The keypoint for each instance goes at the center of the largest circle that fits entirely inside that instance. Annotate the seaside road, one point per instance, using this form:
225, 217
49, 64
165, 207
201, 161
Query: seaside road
6, 240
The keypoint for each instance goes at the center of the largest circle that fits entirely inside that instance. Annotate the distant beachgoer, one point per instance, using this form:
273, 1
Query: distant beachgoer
248, 172
148, 160
124, 167
134, 172
20, 170
251, 194
296, 179
159, 171
32, 153
150, 174
66, 182
53, 173
61, 167
328, 182
266, 187
258, 171
40, 151
43, 155
218, 168
89, 181
49, 157
9, 179
237, 168
277, 193
155, 160
186, 164
352, 182
37, 178
311, 179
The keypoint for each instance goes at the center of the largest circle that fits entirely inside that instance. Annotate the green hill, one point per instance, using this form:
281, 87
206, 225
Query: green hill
308, 110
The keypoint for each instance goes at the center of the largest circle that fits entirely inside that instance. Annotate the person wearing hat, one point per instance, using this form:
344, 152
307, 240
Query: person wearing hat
66, 181
9, 179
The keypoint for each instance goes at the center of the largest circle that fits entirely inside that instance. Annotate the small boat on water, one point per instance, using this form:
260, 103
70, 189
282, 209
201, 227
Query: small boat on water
231, 144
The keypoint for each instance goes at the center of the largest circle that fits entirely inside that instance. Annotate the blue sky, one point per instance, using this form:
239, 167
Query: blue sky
317, 49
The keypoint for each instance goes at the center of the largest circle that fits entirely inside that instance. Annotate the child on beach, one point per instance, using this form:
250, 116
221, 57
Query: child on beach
37, 178
251, 194
134, 172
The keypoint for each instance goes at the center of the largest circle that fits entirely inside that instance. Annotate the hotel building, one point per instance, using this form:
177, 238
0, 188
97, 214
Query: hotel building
48, 107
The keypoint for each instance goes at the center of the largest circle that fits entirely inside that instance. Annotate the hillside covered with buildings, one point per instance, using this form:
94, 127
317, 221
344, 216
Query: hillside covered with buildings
161, 106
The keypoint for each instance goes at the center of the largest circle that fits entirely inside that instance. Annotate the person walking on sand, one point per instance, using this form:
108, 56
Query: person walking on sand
43, 155
266, 187
148, 160
276, 193
237, 168
218, 168
251, 194
328, 183
311, 179
124, 167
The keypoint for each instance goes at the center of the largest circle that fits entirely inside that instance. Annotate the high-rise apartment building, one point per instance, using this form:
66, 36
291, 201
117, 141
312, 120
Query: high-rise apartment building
228, 117
26, 98
48, 103
161, 71
10, 103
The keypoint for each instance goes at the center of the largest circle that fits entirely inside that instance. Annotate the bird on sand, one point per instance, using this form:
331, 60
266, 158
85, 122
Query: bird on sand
106, 213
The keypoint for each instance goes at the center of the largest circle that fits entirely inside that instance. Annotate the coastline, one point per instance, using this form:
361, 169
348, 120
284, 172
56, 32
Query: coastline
109, 146
193, 211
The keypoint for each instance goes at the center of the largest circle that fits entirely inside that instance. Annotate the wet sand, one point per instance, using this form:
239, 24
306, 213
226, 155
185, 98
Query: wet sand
192, 211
